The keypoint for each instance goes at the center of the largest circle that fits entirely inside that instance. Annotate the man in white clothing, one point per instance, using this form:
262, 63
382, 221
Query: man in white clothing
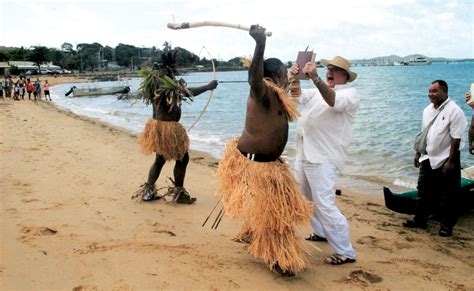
323, 134
439, 179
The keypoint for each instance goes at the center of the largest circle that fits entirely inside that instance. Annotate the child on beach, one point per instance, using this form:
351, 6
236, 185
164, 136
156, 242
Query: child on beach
30, 88
37, 90
46, 90
16, 90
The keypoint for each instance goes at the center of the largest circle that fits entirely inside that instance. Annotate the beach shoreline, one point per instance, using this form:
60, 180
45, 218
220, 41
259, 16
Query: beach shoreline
68, 222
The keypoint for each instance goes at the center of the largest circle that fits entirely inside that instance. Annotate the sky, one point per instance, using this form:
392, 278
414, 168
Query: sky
355, 29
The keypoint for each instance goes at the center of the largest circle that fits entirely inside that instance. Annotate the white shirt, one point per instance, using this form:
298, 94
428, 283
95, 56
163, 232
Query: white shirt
323, 133
450, 124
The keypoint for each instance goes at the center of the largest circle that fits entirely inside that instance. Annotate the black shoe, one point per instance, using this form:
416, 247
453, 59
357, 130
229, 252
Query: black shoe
182, 196
149, 193
415, 224
445, 231
315, 237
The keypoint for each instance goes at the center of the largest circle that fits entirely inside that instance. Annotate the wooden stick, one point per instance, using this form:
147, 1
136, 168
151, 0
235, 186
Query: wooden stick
185, 25
219, 221
217, 218
211, 212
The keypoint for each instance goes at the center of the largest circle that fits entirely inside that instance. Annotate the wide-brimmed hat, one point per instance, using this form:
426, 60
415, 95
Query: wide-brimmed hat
342, 63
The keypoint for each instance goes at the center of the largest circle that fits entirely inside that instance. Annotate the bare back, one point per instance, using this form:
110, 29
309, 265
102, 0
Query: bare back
266, 126
266, 122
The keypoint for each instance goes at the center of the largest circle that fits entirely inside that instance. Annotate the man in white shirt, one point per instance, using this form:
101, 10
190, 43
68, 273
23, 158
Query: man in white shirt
470, 102
439, 179
323, 134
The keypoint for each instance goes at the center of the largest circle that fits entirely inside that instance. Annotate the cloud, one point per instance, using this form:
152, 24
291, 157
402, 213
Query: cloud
355, 29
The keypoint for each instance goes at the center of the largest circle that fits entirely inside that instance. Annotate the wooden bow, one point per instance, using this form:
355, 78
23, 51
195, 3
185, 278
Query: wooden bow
210, 95
185, 25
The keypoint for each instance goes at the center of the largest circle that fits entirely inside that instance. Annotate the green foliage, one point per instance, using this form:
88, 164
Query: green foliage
4, 57
39, 56
67, 47
18, 54
185, 58
166, 47
108, 53
148, 85
159, 88
57, 56
87, 57
124, 54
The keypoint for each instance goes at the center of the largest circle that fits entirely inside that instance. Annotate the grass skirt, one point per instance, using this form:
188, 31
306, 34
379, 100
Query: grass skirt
167, 138
268, 198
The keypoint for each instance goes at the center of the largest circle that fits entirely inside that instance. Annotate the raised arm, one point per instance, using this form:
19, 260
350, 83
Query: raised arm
294, 82
329, 95
257, 86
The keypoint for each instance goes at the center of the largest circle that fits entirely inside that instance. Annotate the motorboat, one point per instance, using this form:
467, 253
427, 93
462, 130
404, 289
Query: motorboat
419, 61
83, 92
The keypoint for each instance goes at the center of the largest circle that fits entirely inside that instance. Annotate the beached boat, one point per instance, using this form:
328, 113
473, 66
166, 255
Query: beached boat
419, 61
98, 91
405, 202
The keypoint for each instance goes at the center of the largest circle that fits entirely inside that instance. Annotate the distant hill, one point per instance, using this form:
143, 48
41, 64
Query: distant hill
395, 58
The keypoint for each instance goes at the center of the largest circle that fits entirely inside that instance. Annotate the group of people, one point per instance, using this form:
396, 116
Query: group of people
259, 186
17, 90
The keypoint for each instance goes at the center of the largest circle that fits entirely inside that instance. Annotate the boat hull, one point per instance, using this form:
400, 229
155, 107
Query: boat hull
100, 91
405, 202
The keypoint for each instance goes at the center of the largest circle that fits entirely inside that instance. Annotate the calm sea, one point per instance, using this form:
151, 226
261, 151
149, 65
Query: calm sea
388, 119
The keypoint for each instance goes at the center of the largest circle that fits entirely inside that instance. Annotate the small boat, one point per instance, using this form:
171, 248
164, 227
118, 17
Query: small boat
419, 61
98, 91
405, 202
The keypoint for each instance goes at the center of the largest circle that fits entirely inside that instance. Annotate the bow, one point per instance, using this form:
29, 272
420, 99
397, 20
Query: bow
185, 25
210, 95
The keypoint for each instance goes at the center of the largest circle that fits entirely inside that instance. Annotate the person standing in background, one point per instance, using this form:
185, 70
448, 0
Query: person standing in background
8, 84
439, 178
30, 88
470, 102
46, 90
37, 91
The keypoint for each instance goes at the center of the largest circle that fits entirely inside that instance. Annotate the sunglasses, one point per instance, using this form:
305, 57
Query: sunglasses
334, 69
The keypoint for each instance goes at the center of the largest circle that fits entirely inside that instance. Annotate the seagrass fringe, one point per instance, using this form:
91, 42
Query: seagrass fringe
289, 104
167, 138
268, 198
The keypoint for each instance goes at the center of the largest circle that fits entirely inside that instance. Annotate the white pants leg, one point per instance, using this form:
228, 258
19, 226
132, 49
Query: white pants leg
317, 183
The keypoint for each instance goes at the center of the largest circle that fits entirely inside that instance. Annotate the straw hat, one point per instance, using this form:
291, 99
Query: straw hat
342, 63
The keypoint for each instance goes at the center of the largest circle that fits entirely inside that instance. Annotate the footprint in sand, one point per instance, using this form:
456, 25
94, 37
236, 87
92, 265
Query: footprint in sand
29, 200
170, 233
384, 244
85, 288
365, 278
30, 232
373, 242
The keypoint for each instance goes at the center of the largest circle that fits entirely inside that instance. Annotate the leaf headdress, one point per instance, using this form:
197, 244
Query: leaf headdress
159, 83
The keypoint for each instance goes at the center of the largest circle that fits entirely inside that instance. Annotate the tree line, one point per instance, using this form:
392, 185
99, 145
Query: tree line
90, 57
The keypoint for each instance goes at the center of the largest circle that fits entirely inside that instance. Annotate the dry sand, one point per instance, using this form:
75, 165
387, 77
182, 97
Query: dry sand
67, 222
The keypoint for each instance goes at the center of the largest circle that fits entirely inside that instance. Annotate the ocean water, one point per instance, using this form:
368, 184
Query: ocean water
393, 99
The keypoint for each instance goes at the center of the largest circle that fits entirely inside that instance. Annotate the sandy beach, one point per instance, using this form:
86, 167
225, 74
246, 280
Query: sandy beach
68, 222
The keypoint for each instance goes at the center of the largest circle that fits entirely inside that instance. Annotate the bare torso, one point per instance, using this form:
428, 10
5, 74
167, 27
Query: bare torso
266, 127
163, 112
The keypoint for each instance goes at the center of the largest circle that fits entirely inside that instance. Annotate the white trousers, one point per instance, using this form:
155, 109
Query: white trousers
317, 182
